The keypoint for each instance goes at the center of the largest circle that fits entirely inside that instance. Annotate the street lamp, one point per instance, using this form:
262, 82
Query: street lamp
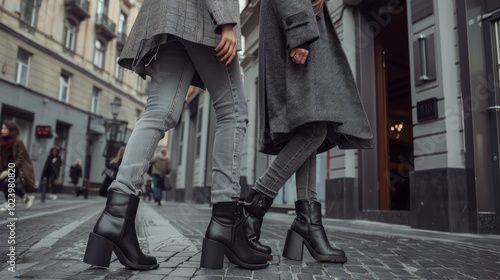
115, 108
112, 129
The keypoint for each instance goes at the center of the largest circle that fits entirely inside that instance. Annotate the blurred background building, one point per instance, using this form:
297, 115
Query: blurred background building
60, 81
428, 74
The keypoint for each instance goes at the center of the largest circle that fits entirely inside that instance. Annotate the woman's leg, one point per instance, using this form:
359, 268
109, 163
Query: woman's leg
307, 228
306, 179
171, 74
154, 182
226, 89
157, 192
293, 155
51, 187
19, 188
224, 234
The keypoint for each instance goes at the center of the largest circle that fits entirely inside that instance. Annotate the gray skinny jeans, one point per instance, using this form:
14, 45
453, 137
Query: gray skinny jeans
171, 73
297, 156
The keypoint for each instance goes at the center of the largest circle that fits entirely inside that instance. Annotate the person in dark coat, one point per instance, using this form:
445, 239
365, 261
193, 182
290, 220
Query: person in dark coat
75, 173
308, 104
182, 43
15, 162
51, 171
110, 172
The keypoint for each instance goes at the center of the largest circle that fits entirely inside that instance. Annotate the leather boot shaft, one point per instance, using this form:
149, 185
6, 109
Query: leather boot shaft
222, 221
225, 235
119, 212
116, 226
256, 206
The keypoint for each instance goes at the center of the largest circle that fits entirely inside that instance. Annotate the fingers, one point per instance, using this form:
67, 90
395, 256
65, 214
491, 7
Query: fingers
299, 55
230, 55
226, 50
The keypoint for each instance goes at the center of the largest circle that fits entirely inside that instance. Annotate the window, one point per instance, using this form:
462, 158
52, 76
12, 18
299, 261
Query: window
122, 23
137, 115
64, 83
100, 51
22, 67
29, 11
70, 34
497, 42
102, 7
118, 71
148, 85
94, 102
139, 85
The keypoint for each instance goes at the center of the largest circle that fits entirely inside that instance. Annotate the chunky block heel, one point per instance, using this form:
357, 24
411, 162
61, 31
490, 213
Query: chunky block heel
212, 254
307, 229
98, 251
294, 246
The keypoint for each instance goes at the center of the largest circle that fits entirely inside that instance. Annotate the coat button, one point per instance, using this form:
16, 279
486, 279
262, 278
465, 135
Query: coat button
288, 21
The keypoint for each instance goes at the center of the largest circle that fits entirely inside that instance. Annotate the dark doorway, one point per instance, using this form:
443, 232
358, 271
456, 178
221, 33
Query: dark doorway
389, 28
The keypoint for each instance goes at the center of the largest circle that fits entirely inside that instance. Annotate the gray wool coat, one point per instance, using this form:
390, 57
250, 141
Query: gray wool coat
198, 21
323, 89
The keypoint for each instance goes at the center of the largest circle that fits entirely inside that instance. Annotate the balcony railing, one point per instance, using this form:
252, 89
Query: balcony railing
105, 26
78, 8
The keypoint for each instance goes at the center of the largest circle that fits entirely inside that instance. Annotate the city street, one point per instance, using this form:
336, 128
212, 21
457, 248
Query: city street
50, 241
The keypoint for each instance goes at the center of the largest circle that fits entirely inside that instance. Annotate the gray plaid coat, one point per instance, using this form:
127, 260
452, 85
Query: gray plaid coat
322, 90
197, 21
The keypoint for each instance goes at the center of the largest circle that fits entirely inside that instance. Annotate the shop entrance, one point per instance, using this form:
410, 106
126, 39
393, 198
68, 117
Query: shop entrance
393, 102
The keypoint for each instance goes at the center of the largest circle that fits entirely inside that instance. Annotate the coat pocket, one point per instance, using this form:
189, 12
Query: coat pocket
295, 20
300, 29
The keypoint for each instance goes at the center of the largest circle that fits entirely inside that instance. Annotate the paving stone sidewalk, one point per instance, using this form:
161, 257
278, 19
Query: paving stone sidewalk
51, 245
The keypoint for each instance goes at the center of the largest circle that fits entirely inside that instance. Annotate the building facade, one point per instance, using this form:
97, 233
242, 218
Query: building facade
59, 75
427, 74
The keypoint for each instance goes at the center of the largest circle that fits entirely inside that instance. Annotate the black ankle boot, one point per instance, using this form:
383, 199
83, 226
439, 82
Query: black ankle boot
307, 229
225, 235
256, 206
115, 231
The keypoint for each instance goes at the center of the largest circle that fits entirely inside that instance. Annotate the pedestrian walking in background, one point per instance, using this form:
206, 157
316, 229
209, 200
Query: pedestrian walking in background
52, 172
147, 190
110, 171
75, 173
308, 104
14, 159
182, 43
160, 169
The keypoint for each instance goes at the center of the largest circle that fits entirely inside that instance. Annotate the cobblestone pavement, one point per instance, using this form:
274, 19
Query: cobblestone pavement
51, 238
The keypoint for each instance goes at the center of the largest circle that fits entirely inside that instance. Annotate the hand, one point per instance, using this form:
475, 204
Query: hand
227, 46
299, 55
3, 174
54, 160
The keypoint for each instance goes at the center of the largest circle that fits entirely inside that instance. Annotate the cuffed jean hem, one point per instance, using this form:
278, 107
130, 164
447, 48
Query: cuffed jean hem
265, 191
